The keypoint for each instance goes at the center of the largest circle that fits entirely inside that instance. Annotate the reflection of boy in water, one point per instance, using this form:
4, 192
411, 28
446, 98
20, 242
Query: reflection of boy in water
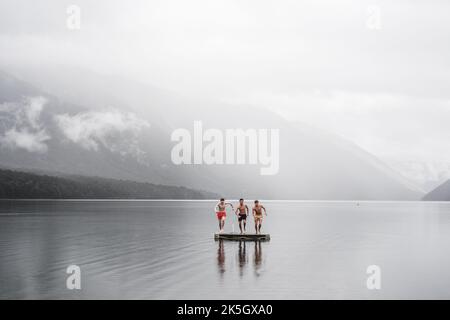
258, 216
221, 257
257, 258
243, 210
242, 255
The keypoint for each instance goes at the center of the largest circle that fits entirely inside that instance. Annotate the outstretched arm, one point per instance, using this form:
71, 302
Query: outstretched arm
265, 212
247, 210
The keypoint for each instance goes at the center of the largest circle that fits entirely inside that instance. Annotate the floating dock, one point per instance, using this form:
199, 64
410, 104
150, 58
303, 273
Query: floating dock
242, 237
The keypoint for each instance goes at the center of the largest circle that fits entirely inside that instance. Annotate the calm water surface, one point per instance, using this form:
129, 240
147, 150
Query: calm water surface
166, 250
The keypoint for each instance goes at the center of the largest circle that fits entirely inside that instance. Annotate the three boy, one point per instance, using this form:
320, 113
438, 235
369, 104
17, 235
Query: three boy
242, 212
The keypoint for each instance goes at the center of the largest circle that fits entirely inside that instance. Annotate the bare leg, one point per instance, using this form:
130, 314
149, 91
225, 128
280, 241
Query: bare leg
245, 224
256, 226
240, 225
223, 224
259, 227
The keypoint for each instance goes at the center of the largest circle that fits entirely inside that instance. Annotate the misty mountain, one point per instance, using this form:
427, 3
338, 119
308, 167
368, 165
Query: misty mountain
428, 175
117, 128
441, 193
24, 185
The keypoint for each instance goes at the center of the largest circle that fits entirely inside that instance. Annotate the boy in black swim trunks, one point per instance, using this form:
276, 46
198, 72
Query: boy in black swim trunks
242, 213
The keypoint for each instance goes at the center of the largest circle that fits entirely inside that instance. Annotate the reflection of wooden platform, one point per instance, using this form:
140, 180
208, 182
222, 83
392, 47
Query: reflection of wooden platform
242, 237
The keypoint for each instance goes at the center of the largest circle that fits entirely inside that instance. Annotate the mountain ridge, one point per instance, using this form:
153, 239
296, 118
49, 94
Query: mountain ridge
441, 193
312, 166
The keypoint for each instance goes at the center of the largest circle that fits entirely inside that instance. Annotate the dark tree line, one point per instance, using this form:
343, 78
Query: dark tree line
24, 185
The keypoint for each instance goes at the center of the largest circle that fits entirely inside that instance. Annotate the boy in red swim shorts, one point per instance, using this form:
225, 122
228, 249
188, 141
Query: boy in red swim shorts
221, 212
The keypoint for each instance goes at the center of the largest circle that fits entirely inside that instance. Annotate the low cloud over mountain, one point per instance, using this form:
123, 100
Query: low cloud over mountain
22, 128
21, 124
114, 130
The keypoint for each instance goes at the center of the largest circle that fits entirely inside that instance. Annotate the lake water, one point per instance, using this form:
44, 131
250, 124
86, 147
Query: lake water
166, 250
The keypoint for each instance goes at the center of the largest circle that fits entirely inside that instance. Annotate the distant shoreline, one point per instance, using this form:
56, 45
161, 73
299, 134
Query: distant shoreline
215, 200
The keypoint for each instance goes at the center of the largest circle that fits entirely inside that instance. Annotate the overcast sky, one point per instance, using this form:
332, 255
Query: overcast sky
375, 72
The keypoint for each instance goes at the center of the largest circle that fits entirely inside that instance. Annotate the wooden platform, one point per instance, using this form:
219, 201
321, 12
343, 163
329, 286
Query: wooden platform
242, 237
